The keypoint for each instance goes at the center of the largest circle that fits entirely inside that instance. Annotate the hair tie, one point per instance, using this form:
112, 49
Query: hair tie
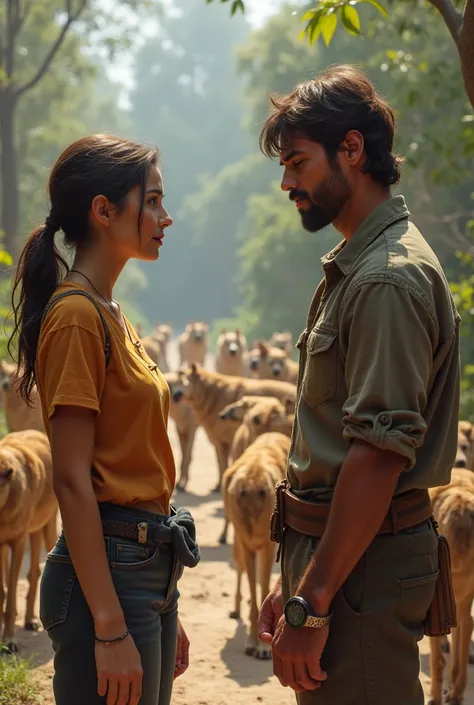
51, 224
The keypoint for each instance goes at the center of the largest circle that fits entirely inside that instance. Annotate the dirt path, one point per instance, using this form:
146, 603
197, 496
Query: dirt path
220, 673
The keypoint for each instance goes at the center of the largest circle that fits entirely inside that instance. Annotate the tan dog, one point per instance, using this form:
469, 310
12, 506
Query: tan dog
208, 393
266, 415
453, 508
19, 416
192, 344
272, 363
162, 335
284, 341
248, 487
465, 444
231, 354
186, 425
28, 507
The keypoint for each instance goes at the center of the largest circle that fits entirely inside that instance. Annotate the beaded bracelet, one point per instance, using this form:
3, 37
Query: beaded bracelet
112, 641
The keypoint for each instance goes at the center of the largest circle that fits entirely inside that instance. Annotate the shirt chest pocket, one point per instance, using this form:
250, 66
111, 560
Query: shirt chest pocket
320, 373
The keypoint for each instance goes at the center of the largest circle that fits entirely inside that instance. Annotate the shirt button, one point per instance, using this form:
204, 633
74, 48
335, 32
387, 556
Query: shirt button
384, 419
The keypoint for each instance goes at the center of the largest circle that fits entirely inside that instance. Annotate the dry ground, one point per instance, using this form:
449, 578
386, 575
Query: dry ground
219, 673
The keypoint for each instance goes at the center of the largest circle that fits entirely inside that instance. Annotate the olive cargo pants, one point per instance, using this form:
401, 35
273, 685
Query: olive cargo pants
371, 656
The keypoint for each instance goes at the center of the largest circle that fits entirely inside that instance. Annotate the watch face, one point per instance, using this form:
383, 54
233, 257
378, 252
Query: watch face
295, 612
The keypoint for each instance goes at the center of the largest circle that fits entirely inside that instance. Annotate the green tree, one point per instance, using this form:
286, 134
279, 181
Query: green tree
458, 17
39, 38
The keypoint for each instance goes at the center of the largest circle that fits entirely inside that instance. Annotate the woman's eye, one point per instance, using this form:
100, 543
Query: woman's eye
298, 163
153, 201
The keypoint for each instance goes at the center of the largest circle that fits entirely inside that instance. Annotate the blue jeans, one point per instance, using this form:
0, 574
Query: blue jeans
145, 578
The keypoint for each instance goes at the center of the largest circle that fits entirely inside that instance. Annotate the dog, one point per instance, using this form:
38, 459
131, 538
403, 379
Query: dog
231, 354
272, 363
19, 415
284, 341
152, 348
28, 508
186, 425
162, 334
453, 508
248, 488
209, 392
192, 344
465, 444
266, 415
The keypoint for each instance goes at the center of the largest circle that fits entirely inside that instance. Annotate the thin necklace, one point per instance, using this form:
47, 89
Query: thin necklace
109, 304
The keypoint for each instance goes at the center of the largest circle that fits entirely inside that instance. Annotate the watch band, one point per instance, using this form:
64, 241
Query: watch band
318, 622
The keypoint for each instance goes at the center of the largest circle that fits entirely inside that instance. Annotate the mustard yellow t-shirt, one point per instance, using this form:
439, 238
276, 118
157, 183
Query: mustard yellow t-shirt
133, 461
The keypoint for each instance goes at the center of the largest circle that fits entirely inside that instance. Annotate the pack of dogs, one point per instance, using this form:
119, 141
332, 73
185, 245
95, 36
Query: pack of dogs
246, 407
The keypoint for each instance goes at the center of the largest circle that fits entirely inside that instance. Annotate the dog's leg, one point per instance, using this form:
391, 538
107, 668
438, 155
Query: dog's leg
252, 641
36, 543
240, 568
266, 559
437, 664
222, 453
4, 570
187, 442
18, 551
461, 642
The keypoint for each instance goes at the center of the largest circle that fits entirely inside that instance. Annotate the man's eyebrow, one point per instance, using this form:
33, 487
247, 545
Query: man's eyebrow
293, 153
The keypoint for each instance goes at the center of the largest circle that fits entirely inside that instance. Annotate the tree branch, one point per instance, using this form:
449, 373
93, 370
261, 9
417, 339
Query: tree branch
71, 18
452, 17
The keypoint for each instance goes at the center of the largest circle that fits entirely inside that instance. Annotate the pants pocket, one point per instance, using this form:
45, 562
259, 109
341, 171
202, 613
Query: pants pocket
416, 595
57, 583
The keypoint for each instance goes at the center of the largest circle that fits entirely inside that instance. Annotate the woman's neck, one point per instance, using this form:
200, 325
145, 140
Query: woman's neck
102, 271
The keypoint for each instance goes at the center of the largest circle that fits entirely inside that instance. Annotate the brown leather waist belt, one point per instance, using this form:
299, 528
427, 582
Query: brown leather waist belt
141, 533
310, 518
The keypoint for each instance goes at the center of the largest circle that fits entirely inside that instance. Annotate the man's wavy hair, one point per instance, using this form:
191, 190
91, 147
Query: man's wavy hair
325, 109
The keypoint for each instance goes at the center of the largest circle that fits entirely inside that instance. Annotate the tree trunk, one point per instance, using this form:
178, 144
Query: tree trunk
9, 223
465, 46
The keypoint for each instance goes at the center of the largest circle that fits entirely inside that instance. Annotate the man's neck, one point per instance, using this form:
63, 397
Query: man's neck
364, 200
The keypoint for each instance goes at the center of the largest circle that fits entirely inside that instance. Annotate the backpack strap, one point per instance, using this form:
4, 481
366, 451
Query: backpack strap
97, 307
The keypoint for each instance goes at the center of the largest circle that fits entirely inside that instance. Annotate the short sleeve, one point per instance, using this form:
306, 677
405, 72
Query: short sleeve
390, 338
71, 369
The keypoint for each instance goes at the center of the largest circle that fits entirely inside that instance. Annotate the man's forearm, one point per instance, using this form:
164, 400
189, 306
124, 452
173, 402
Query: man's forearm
361, 500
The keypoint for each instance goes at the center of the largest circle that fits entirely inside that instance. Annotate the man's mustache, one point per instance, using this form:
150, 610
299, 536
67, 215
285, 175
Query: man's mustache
296, 193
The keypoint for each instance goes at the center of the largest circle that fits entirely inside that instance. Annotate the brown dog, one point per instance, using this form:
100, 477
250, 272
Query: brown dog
265, 416
284, 341
192, 344
231, 354
248, 487
186, 425
28, 507
208, 393
272, 363
19, 416
453, 508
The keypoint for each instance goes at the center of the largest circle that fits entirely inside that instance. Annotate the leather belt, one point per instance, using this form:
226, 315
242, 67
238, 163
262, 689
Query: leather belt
310, 518
141, 532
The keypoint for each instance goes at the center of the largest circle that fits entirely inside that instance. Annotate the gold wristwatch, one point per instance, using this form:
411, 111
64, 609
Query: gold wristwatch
298, 614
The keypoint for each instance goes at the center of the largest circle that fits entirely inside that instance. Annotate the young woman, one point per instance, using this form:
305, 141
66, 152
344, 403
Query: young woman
109, 588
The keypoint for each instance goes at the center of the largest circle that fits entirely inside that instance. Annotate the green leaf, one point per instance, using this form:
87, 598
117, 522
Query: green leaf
350, 19
328, 26
313, 27
378, 5
237, 5
308, 16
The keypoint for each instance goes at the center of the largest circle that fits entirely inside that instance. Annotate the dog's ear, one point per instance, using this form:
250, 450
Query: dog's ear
256, 420
263, 348
223, 331
237, 332
194, 369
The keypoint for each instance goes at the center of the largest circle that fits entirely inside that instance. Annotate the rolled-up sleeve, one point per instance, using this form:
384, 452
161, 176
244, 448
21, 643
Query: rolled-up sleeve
388, 336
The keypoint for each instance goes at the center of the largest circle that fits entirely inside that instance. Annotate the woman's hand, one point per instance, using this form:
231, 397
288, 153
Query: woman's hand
119, 672
182, 652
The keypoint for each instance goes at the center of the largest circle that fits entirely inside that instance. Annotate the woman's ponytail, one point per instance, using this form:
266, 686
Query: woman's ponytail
40, 269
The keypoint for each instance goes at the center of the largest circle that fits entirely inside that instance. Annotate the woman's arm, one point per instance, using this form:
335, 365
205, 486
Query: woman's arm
72, 445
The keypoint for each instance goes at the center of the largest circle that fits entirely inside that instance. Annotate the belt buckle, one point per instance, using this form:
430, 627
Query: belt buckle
142, 532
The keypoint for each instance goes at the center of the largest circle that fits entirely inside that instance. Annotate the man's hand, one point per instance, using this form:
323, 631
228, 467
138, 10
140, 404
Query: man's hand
182, 652
270, 614
297, 654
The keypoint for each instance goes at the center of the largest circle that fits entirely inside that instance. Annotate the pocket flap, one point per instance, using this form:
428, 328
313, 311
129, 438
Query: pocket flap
300, 341
320, 341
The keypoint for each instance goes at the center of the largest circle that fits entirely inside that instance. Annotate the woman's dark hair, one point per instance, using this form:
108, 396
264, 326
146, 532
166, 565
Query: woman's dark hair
325, 109
92, 166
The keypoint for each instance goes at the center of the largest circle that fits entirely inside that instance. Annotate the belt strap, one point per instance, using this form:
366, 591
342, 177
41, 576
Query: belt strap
142, 532
310, 518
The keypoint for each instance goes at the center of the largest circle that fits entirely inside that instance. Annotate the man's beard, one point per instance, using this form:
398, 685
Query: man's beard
325, 202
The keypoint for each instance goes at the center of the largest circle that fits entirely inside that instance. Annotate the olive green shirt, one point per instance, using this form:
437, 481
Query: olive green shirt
379, 359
